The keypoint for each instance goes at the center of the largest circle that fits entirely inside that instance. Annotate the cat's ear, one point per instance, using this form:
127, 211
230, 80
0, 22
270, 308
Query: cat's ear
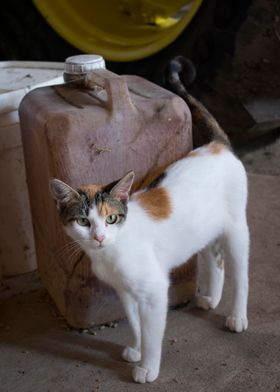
122, 188
62, 193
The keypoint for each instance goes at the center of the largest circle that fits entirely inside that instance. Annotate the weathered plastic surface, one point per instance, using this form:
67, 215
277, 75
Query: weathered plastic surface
95, 135
17, 249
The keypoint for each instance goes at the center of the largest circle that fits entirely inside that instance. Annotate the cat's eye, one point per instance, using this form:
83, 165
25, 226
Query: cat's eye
111, 219
83, 222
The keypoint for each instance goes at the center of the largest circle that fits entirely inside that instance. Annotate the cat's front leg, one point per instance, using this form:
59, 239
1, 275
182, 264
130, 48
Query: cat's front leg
152, 310
132, 353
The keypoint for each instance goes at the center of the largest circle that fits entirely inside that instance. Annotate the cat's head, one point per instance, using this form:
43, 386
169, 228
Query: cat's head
93, 214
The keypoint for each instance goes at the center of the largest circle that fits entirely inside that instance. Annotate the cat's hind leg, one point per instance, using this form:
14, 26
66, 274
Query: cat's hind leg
213, 256
132, 352
237, 252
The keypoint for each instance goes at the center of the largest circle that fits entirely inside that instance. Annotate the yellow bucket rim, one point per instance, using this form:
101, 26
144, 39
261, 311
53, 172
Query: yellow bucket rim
90, 39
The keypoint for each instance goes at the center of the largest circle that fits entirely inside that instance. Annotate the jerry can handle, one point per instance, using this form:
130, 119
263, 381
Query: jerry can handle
116, 89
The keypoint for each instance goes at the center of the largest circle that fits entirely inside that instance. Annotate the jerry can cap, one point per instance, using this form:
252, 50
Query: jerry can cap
83, 63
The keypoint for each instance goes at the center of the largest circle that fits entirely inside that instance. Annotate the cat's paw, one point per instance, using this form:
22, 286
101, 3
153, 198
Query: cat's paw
129, 354
142, 375
236, 324
204, 302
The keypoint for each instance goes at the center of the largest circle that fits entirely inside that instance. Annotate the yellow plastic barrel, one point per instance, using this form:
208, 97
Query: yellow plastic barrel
119, 30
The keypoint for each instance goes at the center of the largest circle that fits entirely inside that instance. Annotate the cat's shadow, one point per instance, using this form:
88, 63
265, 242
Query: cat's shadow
102, 353
213, 317
88, 350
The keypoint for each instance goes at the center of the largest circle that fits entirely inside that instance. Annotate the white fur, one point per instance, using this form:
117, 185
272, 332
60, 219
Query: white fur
208, 196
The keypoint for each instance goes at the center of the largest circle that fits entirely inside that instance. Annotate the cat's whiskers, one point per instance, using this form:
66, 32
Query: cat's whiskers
76, 252
67, 246
71, 250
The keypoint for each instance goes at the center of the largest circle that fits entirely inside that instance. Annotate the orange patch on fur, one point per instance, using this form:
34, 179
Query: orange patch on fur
193, 153
105, 210
156, 202
151, 177
216, 148
221, 264
91, 190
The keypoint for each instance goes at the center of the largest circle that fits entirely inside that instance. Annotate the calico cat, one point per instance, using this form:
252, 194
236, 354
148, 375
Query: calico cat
135, 240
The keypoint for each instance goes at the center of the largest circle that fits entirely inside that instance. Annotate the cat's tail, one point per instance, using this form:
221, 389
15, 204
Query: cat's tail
179, 75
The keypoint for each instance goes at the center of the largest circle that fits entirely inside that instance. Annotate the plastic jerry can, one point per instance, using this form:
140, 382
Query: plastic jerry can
17, 250
94, 129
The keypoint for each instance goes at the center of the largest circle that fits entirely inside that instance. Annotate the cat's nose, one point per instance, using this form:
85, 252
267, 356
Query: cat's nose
99, 238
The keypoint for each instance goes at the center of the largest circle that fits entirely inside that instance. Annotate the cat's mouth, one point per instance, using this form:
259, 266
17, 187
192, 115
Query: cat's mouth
97, 245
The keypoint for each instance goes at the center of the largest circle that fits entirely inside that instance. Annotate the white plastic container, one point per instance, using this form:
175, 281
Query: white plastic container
17, 250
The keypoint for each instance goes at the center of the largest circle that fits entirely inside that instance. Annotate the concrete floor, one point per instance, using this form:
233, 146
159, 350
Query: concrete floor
40, 353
